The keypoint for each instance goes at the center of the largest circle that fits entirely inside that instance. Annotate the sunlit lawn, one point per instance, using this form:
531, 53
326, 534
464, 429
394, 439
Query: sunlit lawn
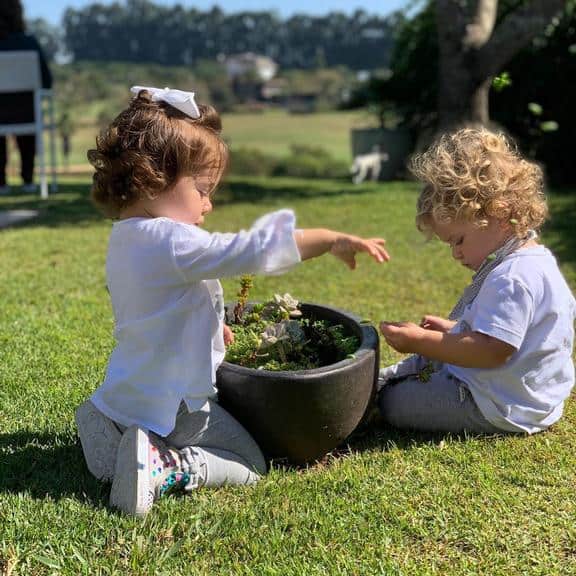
273, 132
389, 503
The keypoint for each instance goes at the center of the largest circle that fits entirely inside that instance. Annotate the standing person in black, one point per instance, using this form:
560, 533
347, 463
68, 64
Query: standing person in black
18, 107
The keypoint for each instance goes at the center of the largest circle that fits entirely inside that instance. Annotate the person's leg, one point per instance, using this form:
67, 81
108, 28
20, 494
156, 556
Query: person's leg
412, 366
100, 438
147, 468
229, 454
442, 404
3, 161
27, 147
208, 447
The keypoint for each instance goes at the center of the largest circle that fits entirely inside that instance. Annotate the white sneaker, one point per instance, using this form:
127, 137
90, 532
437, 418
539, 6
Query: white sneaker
100, 438
147, 469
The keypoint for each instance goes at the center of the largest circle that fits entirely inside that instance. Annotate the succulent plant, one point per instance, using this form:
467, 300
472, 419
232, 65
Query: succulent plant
273, 335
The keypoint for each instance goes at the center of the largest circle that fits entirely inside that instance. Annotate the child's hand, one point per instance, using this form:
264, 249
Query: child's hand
347, 246
402, 336
228, 335
437, 323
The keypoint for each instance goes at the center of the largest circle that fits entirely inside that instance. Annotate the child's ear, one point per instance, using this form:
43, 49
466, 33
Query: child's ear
508, 224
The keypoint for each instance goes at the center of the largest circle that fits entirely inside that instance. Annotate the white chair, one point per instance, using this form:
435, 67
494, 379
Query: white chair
20, 72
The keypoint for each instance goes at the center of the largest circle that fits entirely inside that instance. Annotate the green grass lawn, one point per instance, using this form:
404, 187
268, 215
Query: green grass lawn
272, 132
389, 503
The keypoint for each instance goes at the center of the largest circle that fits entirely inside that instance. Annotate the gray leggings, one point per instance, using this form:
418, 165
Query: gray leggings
227, 452
440, 404
231, 454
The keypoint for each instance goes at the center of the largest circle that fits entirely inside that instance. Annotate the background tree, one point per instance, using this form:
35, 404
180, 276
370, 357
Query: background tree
473, 47
539, 96
47, 35
142, 31
538, 105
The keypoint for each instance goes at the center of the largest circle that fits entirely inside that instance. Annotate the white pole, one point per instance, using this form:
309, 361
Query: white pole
40, 144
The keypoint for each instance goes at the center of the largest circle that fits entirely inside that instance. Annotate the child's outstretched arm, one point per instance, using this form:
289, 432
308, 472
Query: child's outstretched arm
467, 349
314, 242
272, 245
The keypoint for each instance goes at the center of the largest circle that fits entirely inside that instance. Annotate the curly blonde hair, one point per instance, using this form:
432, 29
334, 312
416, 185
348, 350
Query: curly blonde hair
148, 147
473, 174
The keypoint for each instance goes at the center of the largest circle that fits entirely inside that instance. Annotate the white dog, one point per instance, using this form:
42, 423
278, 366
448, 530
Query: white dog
365, 164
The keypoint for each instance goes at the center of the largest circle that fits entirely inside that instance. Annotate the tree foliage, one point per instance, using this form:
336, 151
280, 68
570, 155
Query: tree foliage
48, 37
475, 41
141, 31
541, 73
541, 96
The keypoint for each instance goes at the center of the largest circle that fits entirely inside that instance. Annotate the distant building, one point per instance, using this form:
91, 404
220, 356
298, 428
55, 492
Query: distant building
302, 102
259, 67
275, 90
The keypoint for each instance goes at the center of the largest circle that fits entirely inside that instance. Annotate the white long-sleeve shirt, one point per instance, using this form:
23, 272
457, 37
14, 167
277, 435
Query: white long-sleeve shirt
169, 310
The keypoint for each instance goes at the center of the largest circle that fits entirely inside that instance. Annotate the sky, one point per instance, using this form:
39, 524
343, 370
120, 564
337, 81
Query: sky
52, 10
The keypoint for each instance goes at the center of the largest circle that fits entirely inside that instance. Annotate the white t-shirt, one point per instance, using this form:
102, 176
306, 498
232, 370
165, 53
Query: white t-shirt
525, 302
169, 310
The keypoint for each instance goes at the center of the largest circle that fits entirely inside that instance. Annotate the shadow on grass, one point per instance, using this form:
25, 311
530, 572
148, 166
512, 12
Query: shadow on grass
381, 438
270, 189
70, 205
560, 228
43, 465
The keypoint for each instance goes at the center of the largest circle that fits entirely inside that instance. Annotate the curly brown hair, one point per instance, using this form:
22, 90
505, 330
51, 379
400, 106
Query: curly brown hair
148, 147
473, 174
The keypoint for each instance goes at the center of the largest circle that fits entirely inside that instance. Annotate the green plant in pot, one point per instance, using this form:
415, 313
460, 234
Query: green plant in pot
299, 376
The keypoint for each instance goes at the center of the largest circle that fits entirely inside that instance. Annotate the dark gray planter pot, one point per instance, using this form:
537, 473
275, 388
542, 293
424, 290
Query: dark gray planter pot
303, 415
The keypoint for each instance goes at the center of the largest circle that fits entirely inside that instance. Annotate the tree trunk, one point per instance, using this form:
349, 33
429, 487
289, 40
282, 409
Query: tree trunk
472, 50
479, 103
462, 101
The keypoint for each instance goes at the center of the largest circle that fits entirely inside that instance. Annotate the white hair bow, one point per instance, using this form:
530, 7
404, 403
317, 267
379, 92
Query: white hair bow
183, 101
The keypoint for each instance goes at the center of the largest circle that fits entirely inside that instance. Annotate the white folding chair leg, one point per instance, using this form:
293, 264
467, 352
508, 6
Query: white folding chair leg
20, 72
40, 145
53, 162
43, 174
